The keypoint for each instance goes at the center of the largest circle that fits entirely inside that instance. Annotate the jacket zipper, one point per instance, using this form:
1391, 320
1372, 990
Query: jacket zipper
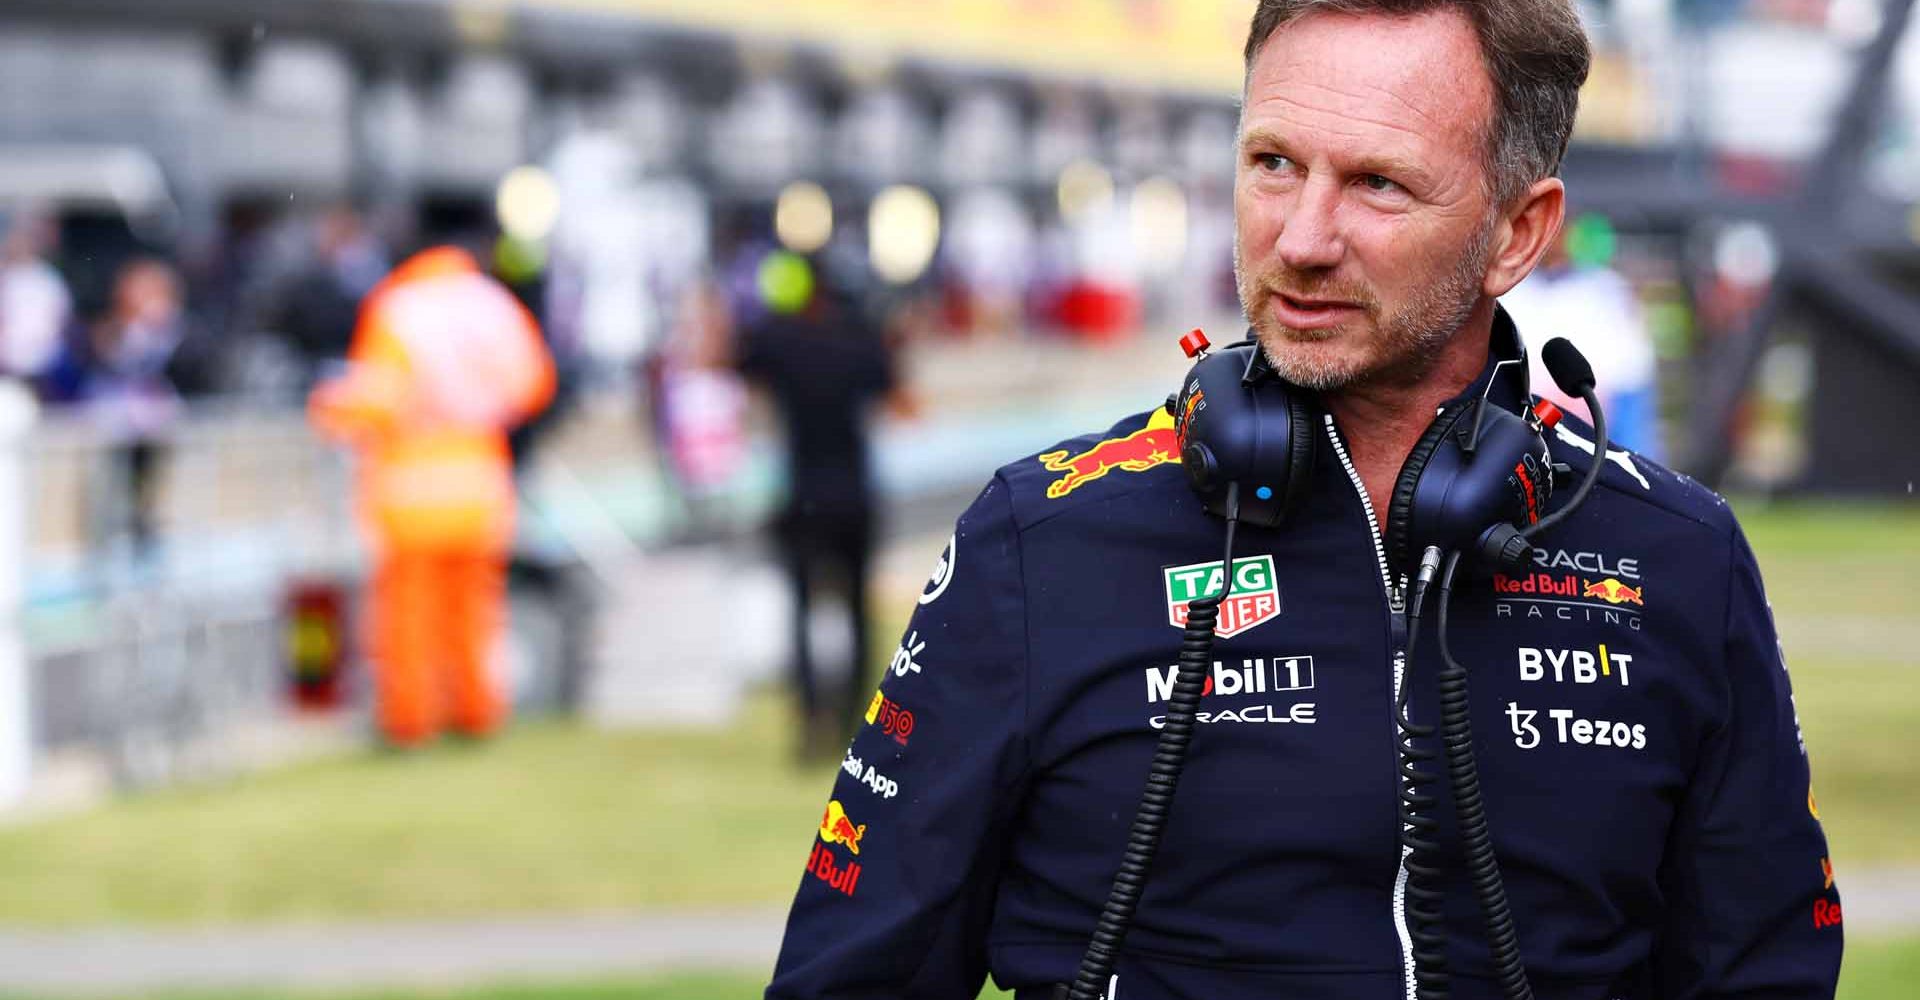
1397, 619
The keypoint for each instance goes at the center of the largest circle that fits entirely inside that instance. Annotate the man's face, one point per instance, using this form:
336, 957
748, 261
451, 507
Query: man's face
1362, 218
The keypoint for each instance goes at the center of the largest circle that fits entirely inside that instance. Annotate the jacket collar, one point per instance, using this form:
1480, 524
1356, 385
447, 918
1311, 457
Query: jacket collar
1504, 379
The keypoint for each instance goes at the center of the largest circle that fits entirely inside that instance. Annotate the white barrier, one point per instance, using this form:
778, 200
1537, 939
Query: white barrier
17, 414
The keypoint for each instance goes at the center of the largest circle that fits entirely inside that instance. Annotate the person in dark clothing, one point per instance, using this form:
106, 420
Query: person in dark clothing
825, 362
318, 307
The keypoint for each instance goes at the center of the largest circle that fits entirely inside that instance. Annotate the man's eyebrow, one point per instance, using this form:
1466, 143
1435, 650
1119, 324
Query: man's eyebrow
1260, 136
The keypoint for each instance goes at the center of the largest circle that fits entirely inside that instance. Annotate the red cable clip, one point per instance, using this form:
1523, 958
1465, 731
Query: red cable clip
1194, 343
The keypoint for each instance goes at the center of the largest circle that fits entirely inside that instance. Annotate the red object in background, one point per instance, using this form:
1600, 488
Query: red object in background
1099, 312
317, 643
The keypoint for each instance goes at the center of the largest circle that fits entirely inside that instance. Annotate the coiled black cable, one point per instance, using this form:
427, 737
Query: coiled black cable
1456, 725
1419, 830
1163, 777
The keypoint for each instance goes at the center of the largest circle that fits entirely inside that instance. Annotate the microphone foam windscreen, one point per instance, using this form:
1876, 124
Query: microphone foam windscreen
1568, 366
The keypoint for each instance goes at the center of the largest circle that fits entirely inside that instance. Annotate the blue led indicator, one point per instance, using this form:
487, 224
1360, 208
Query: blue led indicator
1264, 492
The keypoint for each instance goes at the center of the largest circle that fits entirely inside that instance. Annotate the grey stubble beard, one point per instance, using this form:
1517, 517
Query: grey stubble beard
1412, 337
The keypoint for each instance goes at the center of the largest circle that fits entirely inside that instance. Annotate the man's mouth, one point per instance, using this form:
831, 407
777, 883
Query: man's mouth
1307, 305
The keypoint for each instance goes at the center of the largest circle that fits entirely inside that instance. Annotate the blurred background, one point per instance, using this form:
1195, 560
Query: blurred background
774, 250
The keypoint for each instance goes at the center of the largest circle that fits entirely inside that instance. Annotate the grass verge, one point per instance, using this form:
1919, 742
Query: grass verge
564, 818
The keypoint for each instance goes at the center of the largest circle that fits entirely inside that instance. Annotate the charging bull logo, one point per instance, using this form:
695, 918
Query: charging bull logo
1613, 591
836, 828
1149, 447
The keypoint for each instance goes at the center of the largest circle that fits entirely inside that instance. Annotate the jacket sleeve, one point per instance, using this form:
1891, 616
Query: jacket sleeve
1753, 911
368, 398
899, 882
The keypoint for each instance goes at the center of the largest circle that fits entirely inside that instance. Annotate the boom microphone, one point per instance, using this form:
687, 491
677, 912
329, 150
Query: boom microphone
1568, 366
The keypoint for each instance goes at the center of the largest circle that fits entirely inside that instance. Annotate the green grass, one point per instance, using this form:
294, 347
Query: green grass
1873, 970
564, 818
553, 817
1847, 599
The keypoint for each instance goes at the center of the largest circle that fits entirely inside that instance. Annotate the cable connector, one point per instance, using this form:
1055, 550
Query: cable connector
1429, 568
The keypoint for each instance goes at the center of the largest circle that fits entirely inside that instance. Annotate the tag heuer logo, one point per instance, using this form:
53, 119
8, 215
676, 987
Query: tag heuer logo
1255, 597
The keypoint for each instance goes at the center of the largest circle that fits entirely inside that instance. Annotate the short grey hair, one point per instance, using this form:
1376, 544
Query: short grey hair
1536, 54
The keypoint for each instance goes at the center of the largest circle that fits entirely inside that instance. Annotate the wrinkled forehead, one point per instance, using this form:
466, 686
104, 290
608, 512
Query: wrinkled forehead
1420, 78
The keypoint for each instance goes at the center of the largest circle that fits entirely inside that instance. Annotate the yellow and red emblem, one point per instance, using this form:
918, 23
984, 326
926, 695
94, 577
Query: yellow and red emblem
836, 828
1149, 447
1613, 591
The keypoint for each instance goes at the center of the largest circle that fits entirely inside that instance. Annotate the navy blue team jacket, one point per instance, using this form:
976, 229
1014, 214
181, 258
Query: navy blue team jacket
1648, 788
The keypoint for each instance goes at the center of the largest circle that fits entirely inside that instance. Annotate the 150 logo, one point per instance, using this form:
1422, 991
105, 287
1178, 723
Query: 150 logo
895, 721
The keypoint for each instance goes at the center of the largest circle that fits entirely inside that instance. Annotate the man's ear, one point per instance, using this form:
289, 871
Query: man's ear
1523, 235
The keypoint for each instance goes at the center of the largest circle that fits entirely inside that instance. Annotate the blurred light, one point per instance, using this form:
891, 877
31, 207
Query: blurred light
1158, 216
1085, 187
785, 282
528, 203
1591, 241
803, 217
1745, 255
903, 231
1913, 223
517, 261
1854, 22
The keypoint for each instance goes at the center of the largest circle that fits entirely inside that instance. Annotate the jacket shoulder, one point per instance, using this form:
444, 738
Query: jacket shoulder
1637, 479
1139, 452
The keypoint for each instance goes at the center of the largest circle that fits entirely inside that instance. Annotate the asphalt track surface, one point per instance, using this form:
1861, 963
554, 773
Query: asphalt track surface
1879, 903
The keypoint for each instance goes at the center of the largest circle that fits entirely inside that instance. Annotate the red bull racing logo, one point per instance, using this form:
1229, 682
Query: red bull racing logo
1570, 586
1149, 447
821, 864
893, 720
836, 828
1613, 591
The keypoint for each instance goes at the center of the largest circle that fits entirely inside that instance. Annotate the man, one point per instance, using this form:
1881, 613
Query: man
826, 365
35, 305
444, 362
1595, 307
1648, 798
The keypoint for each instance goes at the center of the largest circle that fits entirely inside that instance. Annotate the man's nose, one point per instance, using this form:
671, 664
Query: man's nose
1310, 235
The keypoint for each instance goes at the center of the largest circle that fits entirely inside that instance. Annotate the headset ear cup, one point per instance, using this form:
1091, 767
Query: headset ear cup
1400, 506
1302, 447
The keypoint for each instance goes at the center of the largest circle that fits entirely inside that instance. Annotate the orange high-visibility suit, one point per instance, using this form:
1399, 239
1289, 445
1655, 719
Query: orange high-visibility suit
445, 361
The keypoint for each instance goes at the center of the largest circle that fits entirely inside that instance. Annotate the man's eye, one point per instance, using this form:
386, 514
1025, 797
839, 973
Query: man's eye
1375, 182
1272, 162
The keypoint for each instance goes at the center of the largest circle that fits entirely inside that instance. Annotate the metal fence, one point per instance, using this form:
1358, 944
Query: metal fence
153, 626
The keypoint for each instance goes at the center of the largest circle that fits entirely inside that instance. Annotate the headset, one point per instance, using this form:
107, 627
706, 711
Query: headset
1475, 487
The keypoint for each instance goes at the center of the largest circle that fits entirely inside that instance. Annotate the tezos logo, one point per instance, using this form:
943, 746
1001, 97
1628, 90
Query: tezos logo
1255, 597
1568, 728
